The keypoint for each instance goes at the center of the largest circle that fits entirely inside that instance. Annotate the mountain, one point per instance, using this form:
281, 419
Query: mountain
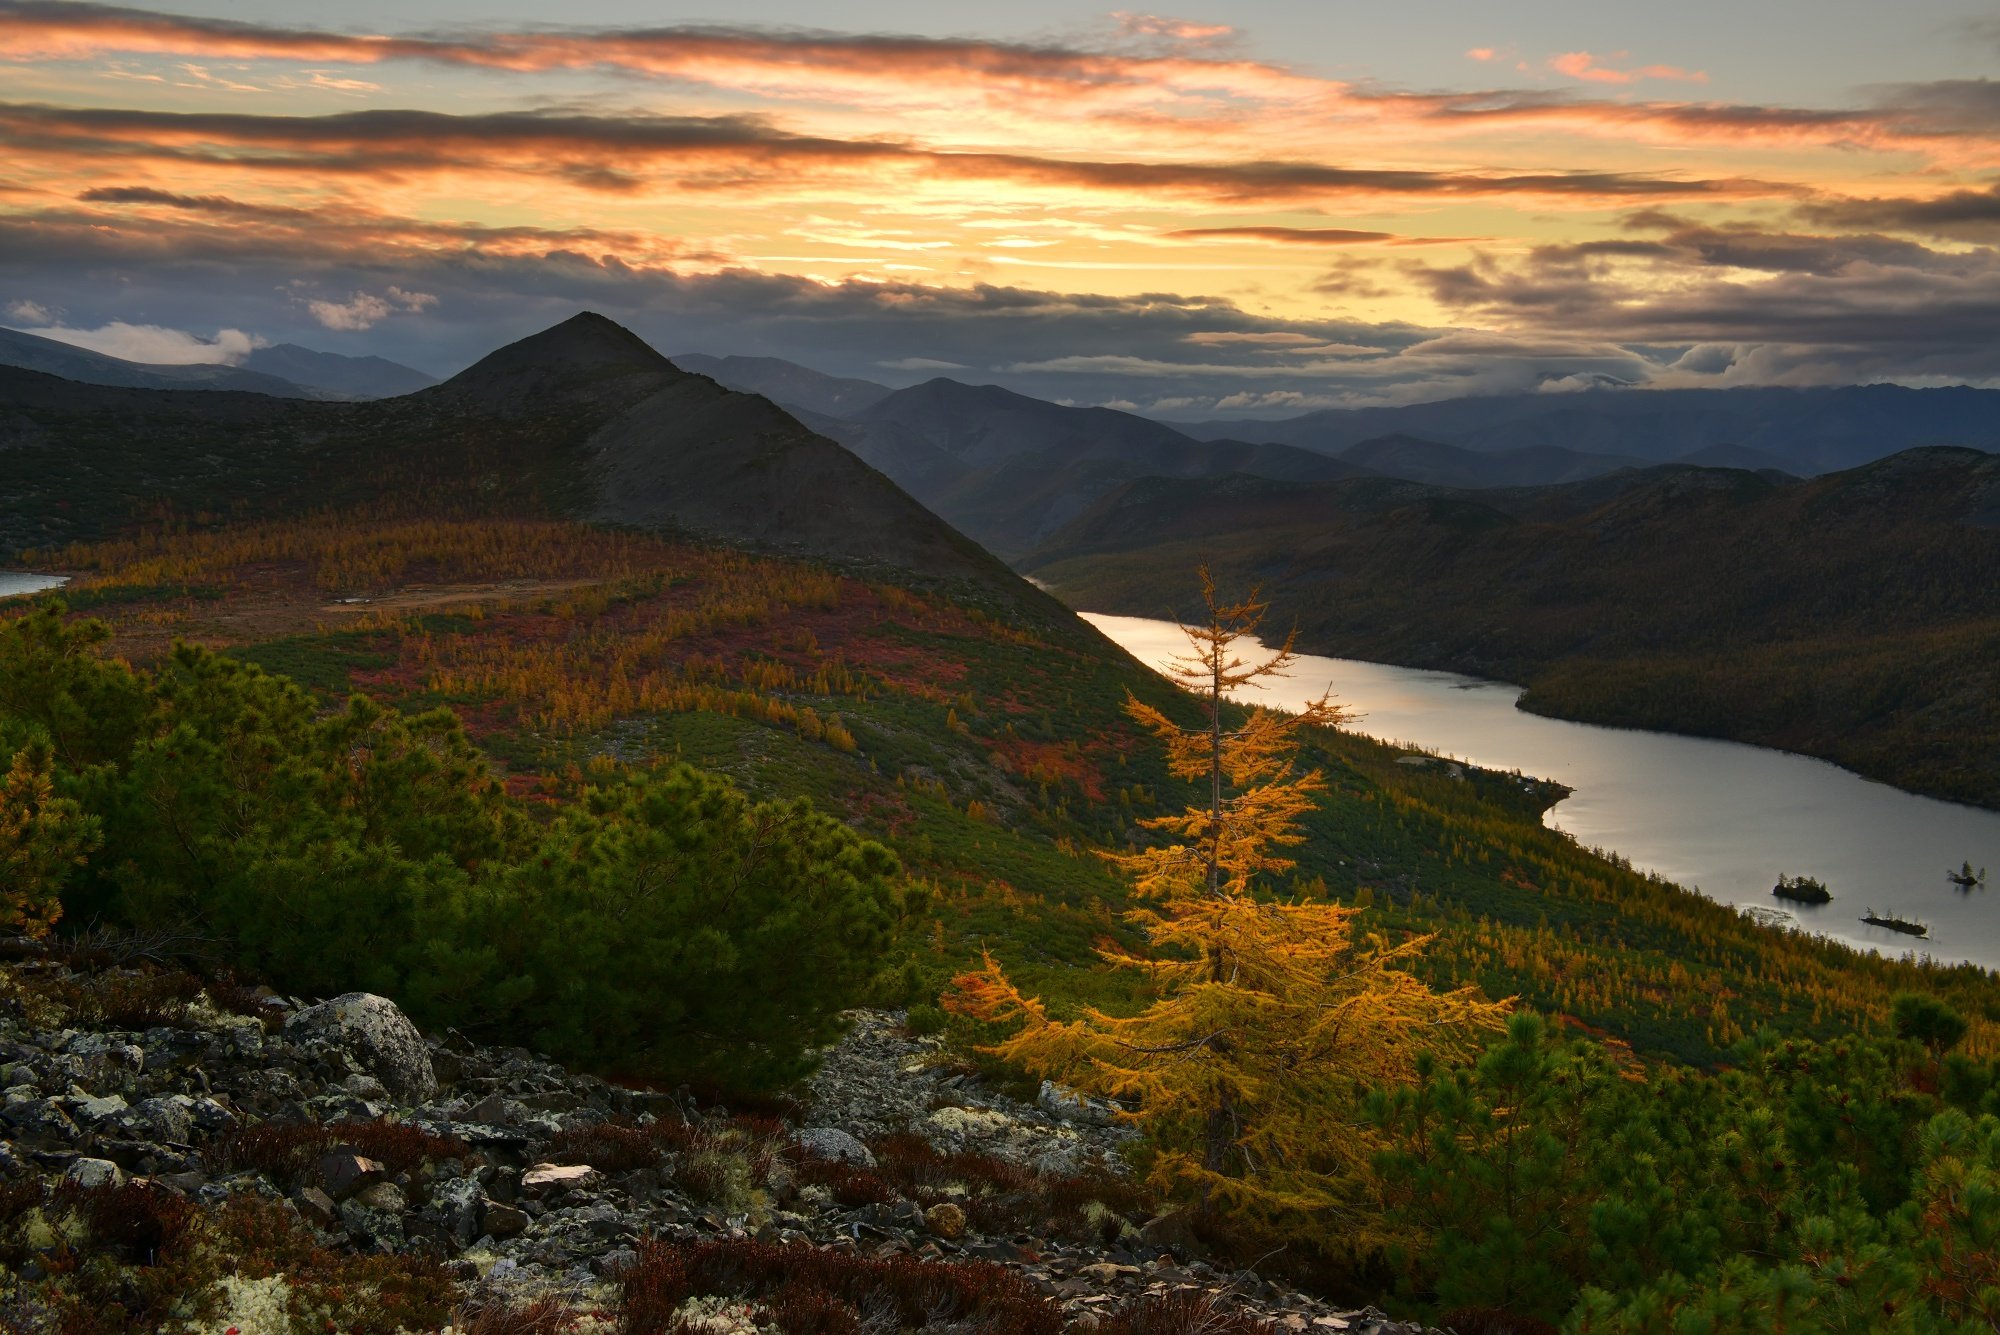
284, 370
583, 420
1009, 470
338, 375
53, 357
1854, 616
786, 384
1450, 466
1807, 431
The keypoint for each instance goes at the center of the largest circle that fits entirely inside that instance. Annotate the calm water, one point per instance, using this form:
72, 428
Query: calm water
13, 582
1720, 817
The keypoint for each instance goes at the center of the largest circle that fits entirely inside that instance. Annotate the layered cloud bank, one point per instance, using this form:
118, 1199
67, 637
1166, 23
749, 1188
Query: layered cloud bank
1152, 216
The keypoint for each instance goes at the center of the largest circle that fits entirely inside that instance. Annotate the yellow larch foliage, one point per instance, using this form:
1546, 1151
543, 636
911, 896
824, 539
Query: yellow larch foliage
1268, 1020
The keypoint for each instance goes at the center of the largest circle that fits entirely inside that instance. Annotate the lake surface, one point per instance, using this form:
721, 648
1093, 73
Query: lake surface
13, 583
1720, 817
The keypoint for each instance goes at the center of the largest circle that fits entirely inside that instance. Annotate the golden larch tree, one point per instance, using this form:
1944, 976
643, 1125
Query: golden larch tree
1269, 1019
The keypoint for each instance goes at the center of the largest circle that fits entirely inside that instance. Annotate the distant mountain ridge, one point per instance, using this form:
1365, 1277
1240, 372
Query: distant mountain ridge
337, 373
787, 384
1806, 431
583, 420
285, 370
1008, 470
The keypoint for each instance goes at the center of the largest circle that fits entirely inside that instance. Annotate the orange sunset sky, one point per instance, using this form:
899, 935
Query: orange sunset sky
1243, 209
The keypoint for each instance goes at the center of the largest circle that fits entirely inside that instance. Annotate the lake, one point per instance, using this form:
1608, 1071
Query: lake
1723, 818
14, 583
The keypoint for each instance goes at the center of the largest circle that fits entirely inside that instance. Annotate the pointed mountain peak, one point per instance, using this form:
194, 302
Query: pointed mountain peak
582, 350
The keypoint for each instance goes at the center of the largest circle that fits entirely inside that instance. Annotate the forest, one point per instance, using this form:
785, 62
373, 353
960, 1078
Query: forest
1850, 616
411, 755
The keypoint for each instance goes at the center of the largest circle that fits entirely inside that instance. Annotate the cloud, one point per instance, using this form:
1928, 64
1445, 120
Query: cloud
26, 312
1179, 30
661, 155
1184, 90
922, 364
1588, 68
1297, 236
1789, 307
1955, 213
153, 344
365, 310
1214, 338
1482, 53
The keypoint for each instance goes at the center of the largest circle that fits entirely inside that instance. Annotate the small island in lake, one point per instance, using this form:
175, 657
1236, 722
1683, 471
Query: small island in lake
1965, 878
1907, 926
1802, 890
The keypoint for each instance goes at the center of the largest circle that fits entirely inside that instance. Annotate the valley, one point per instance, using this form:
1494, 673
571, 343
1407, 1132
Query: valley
500, 680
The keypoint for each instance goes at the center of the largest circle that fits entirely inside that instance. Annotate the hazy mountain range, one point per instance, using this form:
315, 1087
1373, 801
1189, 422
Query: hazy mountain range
284, 370
1010, 471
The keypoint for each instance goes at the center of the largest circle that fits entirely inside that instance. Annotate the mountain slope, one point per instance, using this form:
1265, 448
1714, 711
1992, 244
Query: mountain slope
787, 384
284, 370
337, 374
1855, 616
52, 357
1807, 430
582, 420
1439, 465
1009, 470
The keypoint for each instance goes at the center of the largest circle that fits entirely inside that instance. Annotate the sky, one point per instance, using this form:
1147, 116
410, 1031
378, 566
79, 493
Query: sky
1251, 209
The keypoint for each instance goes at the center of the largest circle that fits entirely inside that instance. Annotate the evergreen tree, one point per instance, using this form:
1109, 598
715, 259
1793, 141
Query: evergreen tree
1267, 1018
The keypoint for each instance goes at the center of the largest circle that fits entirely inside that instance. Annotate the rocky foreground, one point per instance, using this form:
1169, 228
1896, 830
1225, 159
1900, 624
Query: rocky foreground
216, 1160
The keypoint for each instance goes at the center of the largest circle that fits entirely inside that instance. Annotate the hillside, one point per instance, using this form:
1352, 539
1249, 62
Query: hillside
1804, 431
582, 421
484, 690
1438, 465
791, 386
1855, 616
337, 375
1008, 470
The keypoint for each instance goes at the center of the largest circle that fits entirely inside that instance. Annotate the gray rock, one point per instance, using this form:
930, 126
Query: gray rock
457, 1208
830, 1142
88, 1109
169, 1119
375, 1216
1068, 1105
38, 1119
94, 1173
380, 1037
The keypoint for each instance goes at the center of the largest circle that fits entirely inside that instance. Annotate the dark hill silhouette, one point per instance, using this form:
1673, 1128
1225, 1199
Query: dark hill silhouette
792, 387
1009, 470
1854, 616
1450, 466
582, 420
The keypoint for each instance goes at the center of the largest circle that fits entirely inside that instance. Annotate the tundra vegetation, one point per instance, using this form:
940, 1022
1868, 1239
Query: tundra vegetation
549, 771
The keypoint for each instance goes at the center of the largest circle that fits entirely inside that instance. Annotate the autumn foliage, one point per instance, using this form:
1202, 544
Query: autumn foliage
1266, 1016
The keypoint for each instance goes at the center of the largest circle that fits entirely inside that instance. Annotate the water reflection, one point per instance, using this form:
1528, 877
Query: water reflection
1722, 817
